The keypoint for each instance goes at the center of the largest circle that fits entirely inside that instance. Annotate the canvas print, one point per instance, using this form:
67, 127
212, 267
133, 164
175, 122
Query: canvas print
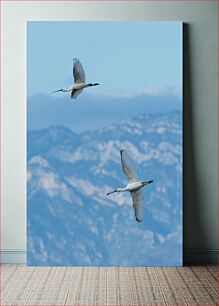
104, 143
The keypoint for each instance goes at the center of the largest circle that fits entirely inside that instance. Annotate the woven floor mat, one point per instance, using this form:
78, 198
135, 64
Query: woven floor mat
21, 285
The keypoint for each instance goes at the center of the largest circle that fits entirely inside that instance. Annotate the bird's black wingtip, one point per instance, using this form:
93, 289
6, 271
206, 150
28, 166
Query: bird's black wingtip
138, 220
151, 181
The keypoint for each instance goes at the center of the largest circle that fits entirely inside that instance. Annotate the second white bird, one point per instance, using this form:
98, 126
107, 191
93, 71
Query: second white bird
134, 185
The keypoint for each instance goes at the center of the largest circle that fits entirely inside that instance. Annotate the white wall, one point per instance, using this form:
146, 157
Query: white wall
200, 108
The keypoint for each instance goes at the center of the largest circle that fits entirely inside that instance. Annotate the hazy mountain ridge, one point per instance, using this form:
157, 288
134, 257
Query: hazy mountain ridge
70, 218
96, 110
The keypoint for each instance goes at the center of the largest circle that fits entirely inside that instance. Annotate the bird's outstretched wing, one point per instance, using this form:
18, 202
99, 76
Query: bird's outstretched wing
75, 93
138, 204
78, 71
127, 167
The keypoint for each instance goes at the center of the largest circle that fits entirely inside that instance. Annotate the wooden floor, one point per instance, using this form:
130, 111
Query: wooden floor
23, 285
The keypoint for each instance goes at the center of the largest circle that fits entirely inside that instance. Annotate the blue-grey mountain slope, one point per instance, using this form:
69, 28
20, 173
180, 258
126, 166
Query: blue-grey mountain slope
71, 221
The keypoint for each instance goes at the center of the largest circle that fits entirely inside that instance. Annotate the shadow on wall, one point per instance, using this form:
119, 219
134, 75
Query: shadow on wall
192, 225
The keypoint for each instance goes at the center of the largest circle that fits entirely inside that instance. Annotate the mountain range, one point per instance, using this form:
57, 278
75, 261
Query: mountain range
71, 220
96, 110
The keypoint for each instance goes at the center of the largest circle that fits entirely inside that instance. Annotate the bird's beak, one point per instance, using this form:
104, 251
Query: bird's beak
148, 182
57, 90
111, 192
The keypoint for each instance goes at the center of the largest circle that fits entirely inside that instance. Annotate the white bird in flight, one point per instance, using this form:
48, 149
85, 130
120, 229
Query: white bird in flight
134, 186
79, 80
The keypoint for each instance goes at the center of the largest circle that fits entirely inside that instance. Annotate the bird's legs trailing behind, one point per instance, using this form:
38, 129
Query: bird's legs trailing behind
117, 190
63, 90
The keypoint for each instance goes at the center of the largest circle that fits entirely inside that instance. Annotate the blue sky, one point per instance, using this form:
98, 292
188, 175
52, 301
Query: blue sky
124, 57
138, 66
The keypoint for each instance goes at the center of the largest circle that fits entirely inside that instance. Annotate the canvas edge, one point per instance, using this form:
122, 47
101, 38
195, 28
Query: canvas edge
190, 256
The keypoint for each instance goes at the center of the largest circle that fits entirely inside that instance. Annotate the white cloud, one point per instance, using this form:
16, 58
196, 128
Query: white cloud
39, 160
134, 92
